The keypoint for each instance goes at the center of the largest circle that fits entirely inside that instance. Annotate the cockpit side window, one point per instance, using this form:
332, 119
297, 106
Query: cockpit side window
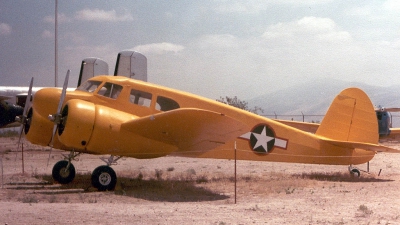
166, 104
140, 98
110, 90
89, 86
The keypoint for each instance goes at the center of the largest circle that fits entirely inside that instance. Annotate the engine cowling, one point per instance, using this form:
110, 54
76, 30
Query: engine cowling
78, 118
96, 129
39, 128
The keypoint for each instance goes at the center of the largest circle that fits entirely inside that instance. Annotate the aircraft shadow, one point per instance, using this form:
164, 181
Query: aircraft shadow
340, 177
152, 190
166, 190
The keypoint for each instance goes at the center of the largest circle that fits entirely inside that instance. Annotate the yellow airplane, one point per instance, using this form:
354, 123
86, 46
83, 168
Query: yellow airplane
124, 117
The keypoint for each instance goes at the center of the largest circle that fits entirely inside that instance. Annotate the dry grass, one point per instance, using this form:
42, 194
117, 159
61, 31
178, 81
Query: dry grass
170, 186
158, 186
339, 177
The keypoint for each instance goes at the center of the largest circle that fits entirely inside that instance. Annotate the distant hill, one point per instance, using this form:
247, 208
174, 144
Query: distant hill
314, 98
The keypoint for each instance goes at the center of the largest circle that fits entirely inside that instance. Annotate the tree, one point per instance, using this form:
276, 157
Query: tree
234, 101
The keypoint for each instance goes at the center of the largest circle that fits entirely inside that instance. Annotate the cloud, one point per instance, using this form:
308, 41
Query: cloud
392, 5
62, 18
159, 48
220, 41
308, 29
102, 16
257, 6
5, 29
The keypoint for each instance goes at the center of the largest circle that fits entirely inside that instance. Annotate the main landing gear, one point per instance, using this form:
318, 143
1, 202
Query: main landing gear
64, 171
103, 177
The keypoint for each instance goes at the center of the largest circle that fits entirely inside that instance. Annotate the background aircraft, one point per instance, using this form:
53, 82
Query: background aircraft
129, 63
124, 117
383, 116
386, 131
12, 99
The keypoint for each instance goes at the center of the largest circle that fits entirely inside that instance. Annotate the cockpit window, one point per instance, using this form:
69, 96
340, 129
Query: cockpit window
89, 86
110, 90
140, 98
166, 104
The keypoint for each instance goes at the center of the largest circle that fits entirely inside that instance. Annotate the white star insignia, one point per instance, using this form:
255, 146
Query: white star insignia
263, 139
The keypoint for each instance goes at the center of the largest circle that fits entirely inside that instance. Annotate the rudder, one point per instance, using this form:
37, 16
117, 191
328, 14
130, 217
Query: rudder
351, 117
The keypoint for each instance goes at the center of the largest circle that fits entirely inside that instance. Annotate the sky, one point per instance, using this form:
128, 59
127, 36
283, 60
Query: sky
242, 48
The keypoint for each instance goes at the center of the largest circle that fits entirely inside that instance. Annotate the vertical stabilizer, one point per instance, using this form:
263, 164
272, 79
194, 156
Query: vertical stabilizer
351, 117
131, 64
91, 67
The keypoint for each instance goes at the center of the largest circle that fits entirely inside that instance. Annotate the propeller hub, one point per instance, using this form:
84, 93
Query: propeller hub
55, 118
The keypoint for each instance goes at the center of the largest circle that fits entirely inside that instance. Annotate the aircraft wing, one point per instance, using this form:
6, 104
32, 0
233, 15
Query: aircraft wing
191, 130
360, 145
394, 135
394, 130
307, 127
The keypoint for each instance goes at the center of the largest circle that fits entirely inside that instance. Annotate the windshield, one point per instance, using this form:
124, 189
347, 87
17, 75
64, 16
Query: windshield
89, 86
110, 90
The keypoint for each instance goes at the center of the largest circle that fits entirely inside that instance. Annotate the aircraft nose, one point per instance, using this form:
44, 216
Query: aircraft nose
45, 102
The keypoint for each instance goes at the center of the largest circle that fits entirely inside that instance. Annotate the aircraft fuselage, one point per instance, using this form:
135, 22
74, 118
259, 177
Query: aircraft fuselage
100, 118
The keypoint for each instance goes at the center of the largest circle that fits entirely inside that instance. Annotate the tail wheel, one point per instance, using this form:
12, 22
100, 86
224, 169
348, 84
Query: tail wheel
104, 178
62, 173
355, 172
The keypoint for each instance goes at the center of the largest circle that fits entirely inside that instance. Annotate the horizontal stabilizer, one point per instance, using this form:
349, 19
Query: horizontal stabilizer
364, 146
188, 129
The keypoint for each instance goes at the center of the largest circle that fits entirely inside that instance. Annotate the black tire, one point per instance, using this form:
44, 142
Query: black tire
61, 175
355, 172
104, 178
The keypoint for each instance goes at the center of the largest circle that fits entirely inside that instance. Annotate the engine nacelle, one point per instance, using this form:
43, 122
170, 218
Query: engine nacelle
40, 128
94, 128
77, 125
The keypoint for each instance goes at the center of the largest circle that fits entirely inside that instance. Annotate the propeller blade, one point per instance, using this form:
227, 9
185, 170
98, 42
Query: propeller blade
22, 119
63, 93
56, 118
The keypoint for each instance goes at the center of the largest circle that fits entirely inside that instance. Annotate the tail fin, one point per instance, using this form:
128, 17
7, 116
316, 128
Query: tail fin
351, 117
91, 67
131, 64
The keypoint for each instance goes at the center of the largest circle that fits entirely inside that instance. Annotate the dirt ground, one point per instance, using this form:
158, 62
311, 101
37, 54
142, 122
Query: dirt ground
175, 190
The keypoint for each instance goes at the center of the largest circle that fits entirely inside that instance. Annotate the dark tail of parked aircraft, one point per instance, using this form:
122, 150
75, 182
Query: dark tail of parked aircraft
91, 67
8, 112
131, 64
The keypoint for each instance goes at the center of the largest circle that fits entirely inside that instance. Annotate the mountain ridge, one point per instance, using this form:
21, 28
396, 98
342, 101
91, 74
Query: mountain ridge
314, 97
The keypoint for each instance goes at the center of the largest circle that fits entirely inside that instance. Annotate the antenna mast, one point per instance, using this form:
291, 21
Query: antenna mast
55, 46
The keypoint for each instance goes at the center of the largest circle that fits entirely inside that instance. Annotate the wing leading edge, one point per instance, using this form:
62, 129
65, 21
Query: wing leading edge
190, 130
